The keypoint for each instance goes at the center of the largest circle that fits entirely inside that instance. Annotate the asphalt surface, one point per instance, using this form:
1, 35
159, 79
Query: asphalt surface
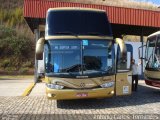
38, 90
13, 87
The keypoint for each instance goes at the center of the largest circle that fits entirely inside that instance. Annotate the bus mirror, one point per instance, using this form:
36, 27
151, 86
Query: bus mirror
40, 48
122, 47
121, 55
141, 56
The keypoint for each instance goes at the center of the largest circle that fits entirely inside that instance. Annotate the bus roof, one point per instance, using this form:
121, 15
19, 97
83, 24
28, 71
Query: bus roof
75, 8
154, 34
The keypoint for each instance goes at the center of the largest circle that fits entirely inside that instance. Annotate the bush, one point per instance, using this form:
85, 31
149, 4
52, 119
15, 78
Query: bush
17, 48
10, 69
5, 63
16, 42
27, 64
23, 70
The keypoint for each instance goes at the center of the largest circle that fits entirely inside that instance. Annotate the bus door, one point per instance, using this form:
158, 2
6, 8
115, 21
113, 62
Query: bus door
124, 75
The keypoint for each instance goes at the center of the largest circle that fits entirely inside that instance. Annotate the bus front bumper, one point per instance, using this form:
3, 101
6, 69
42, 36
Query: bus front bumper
65, 94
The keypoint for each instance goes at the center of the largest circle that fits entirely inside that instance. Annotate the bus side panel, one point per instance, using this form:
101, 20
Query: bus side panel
123, 84
152, 74
152, 78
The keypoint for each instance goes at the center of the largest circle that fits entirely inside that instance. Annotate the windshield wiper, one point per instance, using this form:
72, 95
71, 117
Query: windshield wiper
74, 68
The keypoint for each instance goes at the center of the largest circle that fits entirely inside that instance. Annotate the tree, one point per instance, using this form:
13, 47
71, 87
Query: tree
15, 46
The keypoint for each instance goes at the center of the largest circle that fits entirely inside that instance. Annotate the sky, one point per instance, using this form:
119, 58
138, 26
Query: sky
157, 2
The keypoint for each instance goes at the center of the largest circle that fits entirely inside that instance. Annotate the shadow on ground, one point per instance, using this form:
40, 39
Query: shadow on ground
144, 95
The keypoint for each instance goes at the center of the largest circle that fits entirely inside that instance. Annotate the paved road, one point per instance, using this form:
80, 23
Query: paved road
145, 101
13, 87
38, 90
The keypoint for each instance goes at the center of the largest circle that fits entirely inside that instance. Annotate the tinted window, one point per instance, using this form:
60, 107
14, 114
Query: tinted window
77, 22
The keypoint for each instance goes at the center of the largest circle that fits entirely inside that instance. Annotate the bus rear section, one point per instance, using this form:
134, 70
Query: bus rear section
80, 57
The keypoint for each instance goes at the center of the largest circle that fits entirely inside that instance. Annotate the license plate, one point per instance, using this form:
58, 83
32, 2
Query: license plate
82, 94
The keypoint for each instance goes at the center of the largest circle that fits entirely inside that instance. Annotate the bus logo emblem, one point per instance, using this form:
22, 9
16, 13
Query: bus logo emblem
82, 85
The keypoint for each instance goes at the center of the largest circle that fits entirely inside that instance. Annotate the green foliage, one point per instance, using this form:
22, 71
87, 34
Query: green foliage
5, 63
23, 70
27, 64
10, 68
11, 17
11, 4
18, 13
15, 46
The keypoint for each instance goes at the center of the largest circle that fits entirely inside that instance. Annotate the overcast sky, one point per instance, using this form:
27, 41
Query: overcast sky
153, 1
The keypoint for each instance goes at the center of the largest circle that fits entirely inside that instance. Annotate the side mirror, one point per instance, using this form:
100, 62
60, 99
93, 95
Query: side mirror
122, 46
123, 56
40, 48
141, 56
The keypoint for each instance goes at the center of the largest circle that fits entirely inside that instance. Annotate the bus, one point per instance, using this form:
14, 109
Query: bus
81, 58
152, 60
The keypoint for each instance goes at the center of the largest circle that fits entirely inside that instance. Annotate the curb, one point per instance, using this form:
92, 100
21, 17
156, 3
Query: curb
28, 90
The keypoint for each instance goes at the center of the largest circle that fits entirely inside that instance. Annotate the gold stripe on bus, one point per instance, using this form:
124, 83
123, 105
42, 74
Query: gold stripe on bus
152, 74
77, 37
76, 8
75, 83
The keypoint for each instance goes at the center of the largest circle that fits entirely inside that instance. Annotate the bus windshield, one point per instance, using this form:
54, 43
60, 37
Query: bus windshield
71, 58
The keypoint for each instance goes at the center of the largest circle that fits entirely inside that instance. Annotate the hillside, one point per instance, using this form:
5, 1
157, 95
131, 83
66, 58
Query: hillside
120, 3
11, 4
17, 44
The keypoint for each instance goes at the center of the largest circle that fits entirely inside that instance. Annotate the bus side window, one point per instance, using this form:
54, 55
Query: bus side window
151, 43
157, 54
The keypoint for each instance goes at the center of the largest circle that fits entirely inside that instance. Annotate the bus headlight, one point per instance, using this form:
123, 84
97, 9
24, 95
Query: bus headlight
108, 84
53, 86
